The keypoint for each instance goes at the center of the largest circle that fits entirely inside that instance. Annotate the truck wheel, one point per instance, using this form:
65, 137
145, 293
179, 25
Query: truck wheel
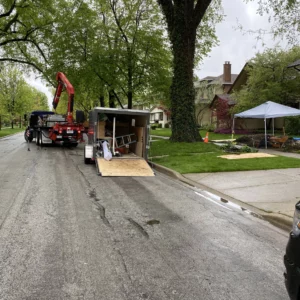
25, 136
37, 138
41, 139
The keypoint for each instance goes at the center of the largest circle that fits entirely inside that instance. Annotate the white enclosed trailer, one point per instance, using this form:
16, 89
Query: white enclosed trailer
126, 133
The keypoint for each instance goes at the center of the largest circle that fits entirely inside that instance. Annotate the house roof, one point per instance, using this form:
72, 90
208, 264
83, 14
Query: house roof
163, 108
225, 97
240, 80
219, 79
208, 78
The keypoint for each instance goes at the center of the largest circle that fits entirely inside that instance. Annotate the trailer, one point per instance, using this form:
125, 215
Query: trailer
118, 142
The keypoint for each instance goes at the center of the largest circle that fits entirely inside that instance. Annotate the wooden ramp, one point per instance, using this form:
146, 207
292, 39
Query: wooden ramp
124, 167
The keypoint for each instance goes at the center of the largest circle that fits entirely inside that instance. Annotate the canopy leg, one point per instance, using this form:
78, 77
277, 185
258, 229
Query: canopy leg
265, 133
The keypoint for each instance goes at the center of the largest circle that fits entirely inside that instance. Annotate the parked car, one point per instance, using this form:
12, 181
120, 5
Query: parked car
292, 258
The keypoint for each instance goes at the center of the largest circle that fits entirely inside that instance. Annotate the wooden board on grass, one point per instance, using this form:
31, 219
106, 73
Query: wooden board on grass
246, 155
124, 167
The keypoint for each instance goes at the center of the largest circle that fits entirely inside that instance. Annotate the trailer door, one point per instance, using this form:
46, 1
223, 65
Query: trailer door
123, 167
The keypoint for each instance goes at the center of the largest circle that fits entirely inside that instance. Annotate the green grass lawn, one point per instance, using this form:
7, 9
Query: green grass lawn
8, 131
212, 135
202, 157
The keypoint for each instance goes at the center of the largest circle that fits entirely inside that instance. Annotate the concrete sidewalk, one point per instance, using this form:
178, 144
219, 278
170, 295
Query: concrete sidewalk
269, 193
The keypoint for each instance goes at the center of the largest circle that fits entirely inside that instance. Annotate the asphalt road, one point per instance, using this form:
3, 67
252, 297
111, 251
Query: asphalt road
66, 233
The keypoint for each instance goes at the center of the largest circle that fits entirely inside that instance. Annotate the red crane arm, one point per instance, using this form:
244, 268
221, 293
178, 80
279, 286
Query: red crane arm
63, 82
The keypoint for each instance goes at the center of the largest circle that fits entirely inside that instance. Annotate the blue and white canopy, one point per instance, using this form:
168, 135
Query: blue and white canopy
267, 110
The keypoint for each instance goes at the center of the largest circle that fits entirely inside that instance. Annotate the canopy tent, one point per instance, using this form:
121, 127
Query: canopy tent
267, 110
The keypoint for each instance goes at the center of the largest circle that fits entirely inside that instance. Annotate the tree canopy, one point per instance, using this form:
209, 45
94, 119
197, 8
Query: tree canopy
16, 96
115, 51
112, 51
270, 79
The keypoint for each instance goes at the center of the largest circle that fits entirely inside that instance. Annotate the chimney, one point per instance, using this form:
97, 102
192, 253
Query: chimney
227, 72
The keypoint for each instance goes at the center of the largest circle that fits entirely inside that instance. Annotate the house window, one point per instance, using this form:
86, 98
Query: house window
161, 116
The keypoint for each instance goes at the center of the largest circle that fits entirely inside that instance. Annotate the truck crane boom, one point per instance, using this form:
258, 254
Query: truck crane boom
63, 82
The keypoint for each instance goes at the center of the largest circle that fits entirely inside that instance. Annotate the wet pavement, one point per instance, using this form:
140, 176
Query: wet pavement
66, 233
271, 194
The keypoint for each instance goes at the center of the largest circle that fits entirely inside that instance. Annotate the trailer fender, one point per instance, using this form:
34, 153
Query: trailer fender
88, 150
88, 153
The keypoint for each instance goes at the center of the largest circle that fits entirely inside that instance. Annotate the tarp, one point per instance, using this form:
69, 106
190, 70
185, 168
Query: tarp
269, 110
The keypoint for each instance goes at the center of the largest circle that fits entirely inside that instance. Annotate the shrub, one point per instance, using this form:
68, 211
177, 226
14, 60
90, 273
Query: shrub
167, 125
159, 125
247, 149
293, 125
153, 126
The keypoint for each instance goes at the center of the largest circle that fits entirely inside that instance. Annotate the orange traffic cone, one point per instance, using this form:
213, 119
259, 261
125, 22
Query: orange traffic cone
206, 138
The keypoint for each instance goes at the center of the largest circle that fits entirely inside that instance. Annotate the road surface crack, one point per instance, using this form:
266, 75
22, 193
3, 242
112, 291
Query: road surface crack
139, 227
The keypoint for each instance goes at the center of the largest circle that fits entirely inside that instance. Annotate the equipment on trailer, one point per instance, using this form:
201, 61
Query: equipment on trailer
47, 127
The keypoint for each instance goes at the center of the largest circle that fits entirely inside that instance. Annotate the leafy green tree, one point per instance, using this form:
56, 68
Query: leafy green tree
24, 27
190, 26
270, 79
16, 96
113, 52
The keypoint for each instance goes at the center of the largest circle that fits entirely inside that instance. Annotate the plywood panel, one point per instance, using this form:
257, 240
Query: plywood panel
246, 155
124, 167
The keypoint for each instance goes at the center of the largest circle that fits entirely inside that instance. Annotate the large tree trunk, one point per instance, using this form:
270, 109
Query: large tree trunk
184, 126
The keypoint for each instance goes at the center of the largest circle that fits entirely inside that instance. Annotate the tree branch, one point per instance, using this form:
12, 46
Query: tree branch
113, 8
199, 11
8, 13
13, 20
22, 62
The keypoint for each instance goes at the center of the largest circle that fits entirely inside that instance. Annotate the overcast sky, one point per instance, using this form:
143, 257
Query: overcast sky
234, 46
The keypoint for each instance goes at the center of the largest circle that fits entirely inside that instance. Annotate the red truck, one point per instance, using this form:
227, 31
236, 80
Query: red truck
49, 128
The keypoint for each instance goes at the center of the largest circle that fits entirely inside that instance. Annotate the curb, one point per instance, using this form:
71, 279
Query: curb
278, 220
